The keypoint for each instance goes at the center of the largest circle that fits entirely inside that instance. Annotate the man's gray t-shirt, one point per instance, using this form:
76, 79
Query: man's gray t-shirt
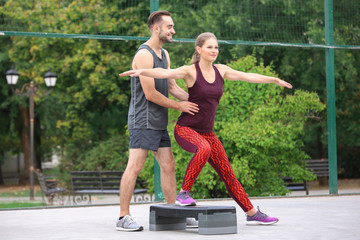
144, 114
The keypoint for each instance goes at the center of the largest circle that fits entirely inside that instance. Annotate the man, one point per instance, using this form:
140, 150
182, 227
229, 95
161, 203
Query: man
148, 117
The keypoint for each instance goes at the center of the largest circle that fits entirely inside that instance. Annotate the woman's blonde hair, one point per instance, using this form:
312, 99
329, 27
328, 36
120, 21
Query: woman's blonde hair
200, 40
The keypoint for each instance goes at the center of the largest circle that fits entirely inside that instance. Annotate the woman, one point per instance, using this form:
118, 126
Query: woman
195, 133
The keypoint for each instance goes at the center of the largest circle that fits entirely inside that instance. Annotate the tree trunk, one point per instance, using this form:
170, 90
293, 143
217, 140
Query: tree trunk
38, 154
1, 174
25, 143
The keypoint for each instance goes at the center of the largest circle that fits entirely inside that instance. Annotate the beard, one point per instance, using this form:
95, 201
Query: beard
164, 37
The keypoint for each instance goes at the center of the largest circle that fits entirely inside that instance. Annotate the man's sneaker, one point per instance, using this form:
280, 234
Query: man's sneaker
192, 223
261, 218
184, 199
127, 224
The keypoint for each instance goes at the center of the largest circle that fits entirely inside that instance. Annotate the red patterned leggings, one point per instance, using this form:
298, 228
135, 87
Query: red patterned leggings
208, 148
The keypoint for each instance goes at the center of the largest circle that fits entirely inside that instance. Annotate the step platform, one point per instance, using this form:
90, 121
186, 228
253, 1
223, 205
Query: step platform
212, 219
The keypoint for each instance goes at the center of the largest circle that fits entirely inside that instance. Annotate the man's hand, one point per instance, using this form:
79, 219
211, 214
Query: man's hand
189, 107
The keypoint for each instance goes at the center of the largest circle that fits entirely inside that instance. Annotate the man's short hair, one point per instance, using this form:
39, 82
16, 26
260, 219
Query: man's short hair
156, 17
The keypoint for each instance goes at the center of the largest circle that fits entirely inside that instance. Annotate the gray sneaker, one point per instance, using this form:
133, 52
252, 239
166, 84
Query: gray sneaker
128, 224
192, 223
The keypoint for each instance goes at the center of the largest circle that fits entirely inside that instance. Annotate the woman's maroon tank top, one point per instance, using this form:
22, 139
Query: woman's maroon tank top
207, 96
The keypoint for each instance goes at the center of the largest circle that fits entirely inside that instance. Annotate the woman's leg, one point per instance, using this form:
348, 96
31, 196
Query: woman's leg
193, 142
220, 162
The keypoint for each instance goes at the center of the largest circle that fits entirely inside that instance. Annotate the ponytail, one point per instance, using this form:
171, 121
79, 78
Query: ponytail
195, 58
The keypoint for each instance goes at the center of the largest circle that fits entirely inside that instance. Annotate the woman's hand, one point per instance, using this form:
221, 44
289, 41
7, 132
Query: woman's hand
282, 83
131, 73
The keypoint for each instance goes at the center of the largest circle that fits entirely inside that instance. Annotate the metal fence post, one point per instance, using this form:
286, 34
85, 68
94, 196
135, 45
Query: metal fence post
159, 195
154, 5
330, 87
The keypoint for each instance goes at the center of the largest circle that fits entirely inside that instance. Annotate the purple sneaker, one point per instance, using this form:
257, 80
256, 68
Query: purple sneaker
261, 218
184, 199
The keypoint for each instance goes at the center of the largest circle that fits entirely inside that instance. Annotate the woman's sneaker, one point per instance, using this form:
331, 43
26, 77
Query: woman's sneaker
127, 224
260, 218
184, 199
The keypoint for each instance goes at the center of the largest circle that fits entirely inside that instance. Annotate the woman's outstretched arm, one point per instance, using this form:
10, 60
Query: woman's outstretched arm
235, 75
178, 73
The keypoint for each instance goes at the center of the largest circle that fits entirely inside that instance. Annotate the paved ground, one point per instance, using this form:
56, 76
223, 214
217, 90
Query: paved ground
315, 217
113, 199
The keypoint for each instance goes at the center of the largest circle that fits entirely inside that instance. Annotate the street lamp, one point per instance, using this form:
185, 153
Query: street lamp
12, 76
30, 90
50, 78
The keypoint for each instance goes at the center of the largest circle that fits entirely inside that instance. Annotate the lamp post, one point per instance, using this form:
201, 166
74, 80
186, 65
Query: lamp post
30, 90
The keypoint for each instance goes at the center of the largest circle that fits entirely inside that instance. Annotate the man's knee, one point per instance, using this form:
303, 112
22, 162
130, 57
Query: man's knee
133, 170
168, 166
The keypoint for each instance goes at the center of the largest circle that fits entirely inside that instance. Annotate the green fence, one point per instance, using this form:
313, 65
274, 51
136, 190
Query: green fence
249, 22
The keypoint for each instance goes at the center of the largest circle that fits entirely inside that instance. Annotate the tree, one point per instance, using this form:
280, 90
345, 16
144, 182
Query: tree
287, 22
89, 103
9, 136
304, 68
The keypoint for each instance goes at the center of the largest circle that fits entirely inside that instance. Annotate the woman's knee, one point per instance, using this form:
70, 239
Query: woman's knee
204, 150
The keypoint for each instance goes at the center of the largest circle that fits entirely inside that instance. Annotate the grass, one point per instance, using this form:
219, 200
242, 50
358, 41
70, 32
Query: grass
20, 205
22, 191
51, 172
19, 193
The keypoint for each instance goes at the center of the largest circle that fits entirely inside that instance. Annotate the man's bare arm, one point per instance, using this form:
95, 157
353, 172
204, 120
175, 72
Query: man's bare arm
145, 60
177, 91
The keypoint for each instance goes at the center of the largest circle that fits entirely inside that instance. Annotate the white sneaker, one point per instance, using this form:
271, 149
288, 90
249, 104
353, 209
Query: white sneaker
128, 224
192, 223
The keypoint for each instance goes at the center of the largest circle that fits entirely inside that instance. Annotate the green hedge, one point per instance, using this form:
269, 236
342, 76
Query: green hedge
260, 126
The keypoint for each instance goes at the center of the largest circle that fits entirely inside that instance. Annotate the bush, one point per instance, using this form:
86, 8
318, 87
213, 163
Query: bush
260, 128
111, 154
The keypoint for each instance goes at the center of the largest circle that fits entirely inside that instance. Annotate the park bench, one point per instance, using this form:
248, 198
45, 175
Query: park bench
50, 189
87, 183
212, 219
320, 167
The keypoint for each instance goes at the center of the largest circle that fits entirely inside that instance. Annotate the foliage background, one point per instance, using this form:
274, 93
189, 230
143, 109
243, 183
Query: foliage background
84, 118
261, 129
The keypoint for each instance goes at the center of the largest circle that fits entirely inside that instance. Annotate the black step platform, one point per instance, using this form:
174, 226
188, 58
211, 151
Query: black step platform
212, 219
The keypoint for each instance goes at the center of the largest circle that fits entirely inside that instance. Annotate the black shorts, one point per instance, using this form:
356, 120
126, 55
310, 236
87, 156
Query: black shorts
149, 139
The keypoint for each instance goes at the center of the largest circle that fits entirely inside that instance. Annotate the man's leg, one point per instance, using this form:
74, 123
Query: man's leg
166, 161
135, 163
